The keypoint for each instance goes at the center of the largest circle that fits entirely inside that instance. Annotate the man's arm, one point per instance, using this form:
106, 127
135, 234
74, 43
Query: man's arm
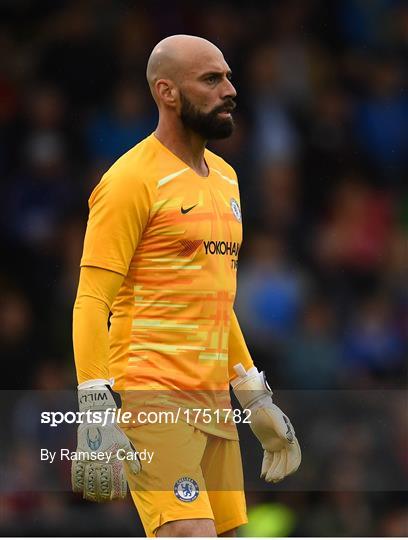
119, 209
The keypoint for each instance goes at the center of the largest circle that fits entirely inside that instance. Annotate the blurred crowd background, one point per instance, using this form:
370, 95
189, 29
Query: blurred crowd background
321, 151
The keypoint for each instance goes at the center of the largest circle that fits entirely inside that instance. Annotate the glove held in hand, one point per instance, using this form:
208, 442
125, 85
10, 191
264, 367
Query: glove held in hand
100, 480
282, 455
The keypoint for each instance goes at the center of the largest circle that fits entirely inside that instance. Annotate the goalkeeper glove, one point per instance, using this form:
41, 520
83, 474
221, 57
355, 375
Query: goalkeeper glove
100, 480
282, 455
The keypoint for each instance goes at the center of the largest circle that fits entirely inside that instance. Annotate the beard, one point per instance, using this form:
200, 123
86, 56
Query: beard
208, 125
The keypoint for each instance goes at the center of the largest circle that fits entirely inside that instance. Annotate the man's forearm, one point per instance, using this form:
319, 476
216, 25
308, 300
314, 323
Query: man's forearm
237, 350
96, 291
91, 338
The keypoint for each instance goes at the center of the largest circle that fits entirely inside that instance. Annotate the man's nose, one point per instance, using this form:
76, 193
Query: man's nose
228, 89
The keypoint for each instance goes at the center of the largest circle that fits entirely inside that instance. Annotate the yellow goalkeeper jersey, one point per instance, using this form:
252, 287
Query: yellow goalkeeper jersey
175, 237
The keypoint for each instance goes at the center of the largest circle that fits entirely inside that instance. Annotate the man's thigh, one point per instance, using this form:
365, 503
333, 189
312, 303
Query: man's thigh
171, 487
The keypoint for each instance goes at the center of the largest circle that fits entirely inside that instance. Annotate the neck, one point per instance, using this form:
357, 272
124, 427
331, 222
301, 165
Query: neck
184, 143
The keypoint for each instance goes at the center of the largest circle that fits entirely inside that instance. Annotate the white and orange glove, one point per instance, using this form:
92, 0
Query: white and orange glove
282, 455
100, 480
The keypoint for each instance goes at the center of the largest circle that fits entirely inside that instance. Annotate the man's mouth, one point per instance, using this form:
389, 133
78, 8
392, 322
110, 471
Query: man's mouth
226, 111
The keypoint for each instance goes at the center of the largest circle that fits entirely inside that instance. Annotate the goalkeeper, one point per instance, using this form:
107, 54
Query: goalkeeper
160, 253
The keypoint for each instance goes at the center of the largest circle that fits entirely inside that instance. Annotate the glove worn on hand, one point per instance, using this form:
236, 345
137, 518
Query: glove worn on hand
282, 455
100, 480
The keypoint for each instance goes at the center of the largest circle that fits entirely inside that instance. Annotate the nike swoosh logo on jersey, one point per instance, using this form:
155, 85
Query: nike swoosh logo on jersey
186, 210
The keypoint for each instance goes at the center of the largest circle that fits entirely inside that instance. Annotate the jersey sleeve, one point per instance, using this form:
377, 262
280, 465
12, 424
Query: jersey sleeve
238, 352
97, 290
119, 209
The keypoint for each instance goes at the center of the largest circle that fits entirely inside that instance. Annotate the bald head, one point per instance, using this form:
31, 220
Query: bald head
173, 57
191, 84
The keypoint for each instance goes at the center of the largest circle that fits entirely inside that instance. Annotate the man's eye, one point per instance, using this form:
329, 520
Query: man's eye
212, 79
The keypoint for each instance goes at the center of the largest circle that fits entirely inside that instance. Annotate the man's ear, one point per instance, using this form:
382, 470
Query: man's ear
166, 92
